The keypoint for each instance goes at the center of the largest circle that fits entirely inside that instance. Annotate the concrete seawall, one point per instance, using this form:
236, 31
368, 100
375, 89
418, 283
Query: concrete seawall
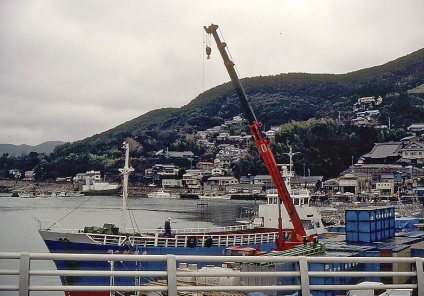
9, 186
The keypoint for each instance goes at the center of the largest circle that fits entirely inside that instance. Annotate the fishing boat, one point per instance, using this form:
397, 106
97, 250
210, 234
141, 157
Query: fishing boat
214, 195
110, 238
161, 193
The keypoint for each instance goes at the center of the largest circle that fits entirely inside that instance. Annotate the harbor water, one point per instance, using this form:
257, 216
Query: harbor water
19, 225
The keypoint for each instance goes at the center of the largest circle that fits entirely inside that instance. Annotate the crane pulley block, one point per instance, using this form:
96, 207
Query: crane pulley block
208, 51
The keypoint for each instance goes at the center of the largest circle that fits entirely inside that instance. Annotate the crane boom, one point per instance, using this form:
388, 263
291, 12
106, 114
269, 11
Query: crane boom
263, 147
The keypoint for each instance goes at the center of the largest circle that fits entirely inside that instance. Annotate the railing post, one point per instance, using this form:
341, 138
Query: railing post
420, 275
24, 263
304, 276
171, 268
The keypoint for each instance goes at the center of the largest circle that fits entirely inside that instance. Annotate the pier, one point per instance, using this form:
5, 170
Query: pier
25, 278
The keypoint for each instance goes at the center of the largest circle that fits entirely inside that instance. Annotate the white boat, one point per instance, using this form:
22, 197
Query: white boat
27, 194
161, 193
68, 194
214, 195
268, 215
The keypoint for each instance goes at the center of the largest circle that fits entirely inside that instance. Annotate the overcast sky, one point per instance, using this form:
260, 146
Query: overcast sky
71, 69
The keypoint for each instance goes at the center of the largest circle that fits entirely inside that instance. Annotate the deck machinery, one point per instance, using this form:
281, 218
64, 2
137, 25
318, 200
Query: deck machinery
298, 234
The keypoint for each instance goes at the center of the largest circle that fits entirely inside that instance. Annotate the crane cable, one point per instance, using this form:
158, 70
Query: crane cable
206, 44
229, 53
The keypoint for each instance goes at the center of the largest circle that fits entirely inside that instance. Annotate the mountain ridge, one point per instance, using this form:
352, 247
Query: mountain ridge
17, 150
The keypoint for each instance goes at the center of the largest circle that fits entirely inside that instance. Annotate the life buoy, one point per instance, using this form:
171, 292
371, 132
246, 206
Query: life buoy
209, 242
191, 241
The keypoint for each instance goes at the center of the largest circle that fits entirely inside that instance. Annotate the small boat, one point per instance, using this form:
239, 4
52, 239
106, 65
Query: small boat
161, 193
214, 195
68, 194
27, 194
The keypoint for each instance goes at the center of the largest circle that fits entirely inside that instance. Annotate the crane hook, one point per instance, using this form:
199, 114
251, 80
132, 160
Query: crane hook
208, 52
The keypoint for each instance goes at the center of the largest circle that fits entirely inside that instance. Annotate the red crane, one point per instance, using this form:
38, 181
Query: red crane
298, 235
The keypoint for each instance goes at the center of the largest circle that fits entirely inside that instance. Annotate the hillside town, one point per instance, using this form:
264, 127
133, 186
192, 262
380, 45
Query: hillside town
390, 169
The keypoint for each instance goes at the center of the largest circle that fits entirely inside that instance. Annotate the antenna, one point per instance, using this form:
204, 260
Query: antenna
291, 154
126, 171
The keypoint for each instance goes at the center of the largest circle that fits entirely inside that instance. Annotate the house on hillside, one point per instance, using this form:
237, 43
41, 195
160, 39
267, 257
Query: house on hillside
247, 179
383, 153
218, 184
222, 181
332, 185
192, 179
355, 183
410, 139
264, 180
270, 134
227, 155
175, 154
175, 183
165, 169
311, 182
219, 172
413, 154
223, 137
417, 128
204, 165
15, 173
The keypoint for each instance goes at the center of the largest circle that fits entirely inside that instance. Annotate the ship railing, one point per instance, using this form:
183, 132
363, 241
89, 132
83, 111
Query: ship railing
108, 239
27, 274
195, 240
193, 229
208, 240
51, 225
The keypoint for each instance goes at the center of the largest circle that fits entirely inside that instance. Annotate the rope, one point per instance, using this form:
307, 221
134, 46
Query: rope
77, 207
73, 210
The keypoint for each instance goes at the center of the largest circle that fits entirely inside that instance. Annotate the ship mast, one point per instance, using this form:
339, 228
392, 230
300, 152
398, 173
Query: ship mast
126, 171
291, 154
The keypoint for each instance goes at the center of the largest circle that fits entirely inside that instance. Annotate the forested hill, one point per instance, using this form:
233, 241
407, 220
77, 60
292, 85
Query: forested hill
281, 98
276, 100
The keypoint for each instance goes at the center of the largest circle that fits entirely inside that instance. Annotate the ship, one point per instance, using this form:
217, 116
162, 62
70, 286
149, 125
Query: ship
110, 238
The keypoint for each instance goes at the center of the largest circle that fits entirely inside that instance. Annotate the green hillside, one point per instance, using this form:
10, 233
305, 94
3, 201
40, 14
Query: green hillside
282, 98
276, 100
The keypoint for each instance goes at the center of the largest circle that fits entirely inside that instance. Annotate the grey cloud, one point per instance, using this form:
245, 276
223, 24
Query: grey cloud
70, 69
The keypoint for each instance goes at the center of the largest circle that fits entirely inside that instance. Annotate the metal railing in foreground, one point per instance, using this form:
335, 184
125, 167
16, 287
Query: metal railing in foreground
304, 279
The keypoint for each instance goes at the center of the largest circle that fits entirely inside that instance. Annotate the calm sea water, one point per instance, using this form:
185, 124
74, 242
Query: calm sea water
18, 232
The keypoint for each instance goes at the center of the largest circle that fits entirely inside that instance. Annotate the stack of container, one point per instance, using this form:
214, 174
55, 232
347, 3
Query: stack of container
371, 224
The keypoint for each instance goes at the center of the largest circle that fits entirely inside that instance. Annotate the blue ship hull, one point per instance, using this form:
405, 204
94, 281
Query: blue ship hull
69, 244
